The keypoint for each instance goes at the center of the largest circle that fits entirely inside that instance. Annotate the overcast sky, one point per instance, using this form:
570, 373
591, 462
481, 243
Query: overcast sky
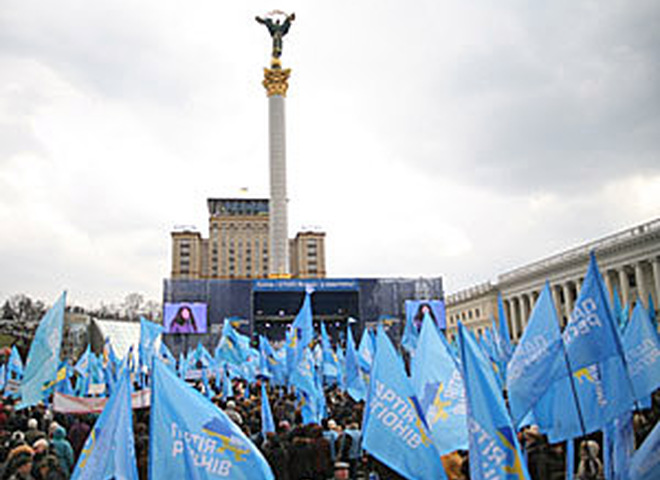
430, 138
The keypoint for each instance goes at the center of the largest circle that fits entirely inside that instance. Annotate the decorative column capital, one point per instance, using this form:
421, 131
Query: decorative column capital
276, 81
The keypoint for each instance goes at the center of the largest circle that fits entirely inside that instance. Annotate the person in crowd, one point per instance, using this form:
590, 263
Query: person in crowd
33, 433
41, 450
49, 468
63, 450
233, 413
78, 433
22, 467
590, 466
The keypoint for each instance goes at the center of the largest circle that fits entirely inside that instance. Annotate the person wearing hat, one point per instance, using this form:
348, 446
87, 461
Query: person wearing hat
49, 469
22, 467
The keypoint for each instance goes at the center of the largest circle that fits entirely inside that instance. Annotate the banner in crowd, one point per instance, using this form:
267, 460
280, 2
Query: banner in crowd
70, 404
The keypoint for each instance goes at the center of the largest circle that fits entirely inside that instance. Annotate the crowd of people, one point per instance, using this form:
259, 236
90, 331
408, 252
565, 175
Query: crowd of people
38, 444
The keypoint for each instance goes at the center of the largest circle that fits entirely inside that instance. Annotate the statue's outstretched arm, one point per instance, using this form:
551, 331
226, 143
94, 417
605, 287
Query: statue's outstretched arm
260, 20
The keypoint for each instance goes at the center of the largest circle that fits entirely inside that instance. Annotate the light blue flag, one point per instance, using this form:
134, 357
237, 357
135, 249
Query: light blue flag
82, 365
302, 376
201, 356
267, 422
227, 387
645, 463
44, 356
410, 335
438, 385
3, 377
595, 355
97, 381
503, 339
15, 364
641, 345
302, 325
232, 348
617, 309
494, 449
150, 333
618, 447
14, 372
366, 351
529, 370
208, 393
265, 367
394, 430
341, 365
191, 438
354, 384
109, 451
166, 356
330, 362
182, 367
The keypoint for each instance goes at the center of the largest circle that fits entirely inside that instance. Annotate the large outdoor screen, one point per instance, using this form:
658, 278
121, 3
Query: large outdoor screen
415, 310
184, 317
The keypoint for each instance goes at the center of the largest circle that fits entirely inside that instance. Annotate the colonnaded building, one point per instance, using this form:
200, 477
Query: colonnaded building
628, 260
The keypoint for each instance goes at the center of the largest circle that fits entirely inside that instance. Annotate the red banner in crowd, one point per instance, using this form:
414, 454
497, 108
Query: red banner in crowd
71, 404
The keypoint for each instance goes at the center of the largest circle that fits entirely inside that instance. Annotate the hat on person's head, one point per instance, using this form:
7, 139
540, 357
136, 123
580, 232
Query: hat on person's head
42, 443
231, 404
22, 459
33, 424
18, 436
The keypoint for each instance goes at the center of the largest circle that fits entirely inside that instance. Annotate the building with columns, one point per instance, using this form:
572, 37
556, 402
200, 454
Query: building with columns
628, 260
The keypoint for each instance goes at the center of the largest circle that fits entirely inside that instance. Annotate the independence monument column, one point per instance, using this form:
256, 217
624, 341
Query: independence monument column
276, 84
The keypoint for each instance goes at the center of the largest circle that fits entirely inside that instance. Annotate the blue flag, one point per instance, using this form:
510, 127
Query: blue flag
44, 356
233, 346
366, 351
642, 349
14, 372
410, 334
15, 364
439, 387
82, 365
109, 452
330, 363
502, 337
227, 387
528, 371
617, 309
302, 376
302, 326
166, 356
267, 422
494, 449
394, 429
645, 463
150, 334
192, 438
618, 447
354, 384
595, 356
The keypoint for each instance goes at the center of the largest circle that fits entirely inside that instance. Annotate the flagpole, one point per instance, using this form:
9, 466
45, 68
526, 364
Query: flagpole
572, 382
